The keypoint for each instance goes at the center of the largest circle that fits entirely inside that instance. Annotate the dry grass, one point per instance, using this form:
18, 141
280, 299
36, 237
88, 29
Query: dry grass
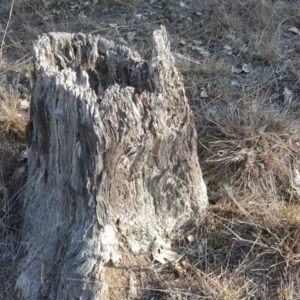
12, 121
247, 247
251, 145
11, 141
243, 251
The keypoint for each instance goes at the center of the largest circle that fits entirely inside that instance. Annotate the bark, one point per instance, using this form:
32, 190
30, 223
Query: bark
112, 152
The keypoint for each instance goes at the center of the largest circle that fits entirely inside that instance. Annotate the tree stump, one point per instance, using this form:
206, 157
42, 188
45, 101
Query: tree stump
111, 151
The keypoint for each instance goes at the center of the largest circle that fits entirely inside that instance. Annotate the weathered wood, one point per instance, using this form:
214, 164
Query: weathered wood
111, 151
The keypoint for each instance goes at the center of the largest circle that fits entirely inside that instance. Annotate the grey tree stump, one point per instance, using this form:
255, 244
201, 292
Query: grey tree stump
111, 151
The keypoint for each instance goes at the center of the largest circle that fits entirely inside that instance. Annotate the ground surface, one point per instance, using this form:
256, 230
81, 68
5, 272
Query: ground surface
240, 60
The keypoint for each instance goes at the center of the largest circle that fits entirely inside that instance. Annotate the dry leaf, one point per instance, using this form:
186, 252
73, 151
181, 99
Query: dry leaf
200, 248
244, 48
227, 50
55, 11
18, 173
203, 93
232, 37
81, 15
74, 7
236, 70
185, 265
131, 35
179, 55
201, 50
247, 68
197, 42
191, 238
209, 177
294, 30
161, 252
139, 16
182, 4
262, 129
45, 18
182, 42
22, 105
287, 95
235, 83
296, 181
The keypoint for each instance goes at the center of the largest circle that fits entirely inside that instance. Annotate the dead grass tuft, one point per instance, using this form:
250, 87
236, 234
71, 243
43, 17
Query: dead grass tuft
251, 253
252, 146
12, 122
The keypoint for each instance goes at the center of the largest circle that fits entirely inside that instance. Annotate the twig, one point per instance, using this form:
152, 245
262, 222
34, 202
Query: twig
5, 31
297, 234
